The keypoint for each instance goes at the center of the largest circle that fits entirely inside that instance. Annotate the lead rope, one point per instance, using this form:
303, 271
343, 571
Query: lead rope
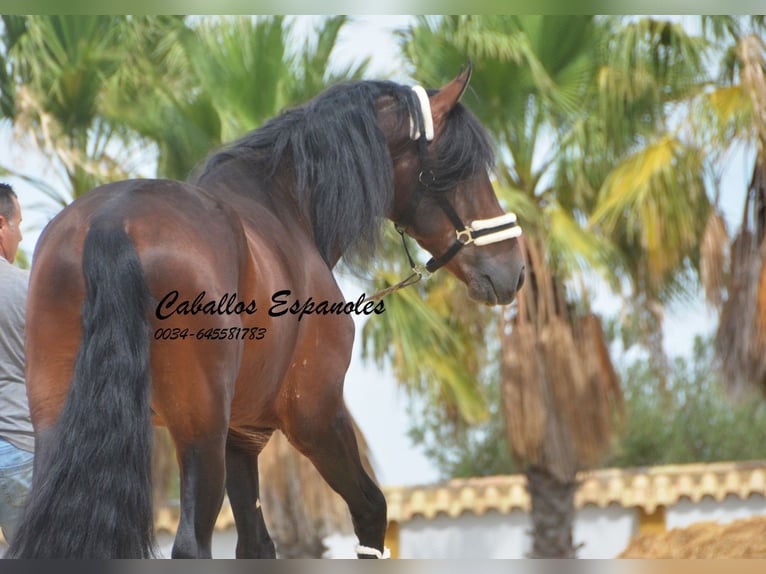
418, 272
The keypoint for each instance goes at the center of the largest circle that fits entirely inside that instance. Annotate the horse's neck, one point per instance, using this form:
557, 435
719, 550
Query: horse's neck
249, 193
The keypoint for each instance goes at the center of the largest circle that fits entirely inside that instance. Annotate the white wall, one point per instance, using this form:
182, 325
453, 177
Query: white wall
731, 508
492, 535
604, 532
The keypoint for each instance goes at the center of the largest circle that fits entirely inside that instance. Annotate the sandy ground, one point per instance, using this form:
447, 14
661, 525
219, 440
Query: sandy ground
741, 539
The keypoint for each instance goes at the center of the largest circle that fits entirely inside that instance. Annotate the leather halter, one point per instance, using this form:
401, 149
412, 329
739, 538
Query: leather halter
480, 232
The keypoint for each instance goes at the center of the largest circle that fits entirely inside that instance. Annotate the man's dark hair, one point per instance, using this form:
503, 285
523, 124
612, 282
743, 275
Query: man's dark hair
7, 207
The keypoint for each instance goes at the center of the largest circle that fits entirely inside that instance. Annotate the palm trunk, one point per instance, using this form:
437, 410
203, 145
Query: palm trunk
553, 513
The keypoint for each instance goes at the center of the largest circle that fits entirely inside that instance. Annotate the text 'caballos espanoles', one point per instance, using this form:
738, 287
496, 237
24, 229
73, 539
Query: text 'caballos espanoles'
282, 303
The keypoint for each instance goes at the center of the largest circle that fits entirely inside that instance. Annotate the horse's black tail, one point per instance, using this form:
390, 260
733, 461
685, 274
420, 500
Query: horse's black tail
91, 495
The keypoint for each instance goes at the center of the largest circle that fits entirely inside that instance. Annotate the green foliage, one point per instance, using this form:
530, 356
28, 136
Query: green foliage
436, 349
209, 81
691, 420
97, 92
58, 72
11, 29
459, 449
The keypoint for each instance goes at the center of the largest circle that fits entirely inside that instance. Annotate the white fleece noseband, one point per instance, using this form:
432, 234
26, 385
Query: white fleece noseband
494, 230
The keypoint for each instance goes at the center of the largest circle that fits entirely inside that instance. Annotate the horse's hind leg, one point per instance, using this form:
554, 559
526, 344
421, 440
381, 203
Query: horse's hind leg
196, 416
330, 443
253, 540
202, 489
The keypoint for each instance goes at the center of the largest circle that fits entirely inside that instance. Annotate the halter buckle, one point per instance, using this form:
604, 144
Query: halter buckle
464, 236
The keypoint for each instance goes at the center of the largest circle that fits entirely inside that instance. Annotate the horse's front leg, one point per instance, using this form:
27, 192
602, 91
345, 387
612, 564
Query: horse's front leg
323, 432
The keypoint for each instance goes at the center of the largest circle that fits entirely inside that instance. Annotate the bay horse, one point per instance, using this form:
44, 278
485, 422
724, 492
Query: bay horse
210, 307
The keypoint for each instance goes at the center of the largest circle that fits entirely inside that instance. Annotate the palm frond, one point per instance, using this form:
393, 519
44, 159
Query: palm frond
315, 72
560, 393
243, 65
61, 66
722, 117
58, 196
430, 351
520, 202
575, 250
656, 201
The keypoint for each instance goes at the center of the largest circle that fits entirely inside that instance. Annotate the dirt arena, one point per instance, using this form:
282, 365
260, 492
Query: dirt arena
741, 539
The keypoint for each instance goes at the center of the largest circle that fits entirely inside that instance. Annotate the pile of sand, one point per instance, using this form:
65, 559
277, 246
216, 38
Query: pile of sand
741, 539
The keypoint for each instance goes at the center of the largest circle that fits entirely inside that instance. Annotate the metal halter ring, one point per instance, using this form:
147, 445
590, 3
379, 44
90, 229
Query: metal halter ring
464, 236
426, 178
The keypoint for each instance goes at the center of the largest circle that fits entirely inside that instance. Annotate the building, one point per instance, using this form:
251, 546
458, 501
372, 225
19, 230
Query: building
479, 518
488, 517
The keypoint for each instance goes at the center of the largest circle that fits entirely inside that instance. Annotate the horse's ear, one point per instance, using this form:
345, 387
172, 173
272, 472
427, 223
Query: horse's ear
446, 98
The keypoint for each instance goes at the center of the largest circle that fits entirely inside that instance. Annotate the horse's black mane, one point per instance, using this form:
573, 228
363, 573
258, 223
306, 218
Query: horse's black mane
338, 158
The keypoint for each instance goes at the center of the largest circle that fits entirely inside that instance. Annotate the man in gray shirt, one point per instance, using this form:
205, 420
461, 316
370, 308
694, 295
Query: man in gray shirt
16, 432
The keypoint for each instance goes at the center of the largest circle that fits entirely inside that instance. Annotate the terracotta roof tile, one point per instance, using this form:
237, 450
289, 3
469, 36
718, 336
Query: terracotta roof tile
646, 488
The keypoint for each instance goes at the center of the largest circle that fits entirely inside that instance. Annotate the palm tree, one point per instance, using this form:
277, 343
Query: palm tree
57, 69
734, 114
582, 126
